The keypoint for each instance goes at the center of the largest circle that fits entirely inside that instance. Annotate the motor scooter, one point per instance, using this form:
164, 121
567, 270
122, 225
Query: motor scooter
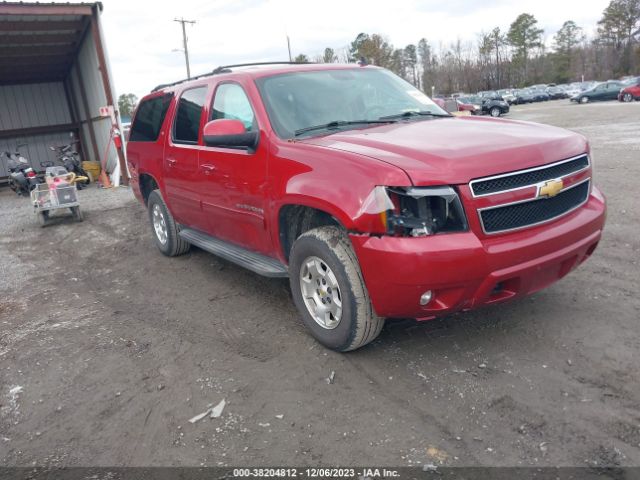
22, 177
68, 157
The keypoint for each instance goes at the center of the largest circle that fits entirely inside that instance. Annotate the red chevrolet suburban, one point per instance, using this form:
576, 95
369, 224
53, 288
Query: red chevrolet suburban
370, 198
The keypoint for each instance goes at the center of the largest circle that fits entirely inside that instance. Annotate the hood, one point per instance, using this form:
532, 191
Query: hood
458, 149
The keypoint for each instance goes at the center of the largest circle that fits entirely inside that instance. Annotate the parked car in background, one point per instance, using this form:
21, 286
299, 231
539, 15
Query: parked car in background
573, 90
439, 101
126, 130
631, 91
487, 93
455, 106
584, 86
507, 95
539, 93
603, 91
556, 93
524, 95
468, 107
493, 106
474, 100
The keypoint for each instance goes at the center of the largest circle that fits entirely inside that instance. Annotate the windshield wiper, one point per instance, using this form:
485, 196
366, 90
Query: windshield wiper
338, 124
414, 113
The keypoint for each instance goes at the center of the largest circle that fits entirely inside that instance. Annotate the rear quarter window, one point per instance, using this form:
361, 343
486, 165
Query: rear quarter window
149, 118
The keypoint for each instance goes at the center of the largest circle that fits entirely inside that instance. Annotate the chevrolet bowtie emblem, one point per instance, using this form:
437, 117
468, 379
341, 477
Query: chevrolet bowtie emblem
550, 188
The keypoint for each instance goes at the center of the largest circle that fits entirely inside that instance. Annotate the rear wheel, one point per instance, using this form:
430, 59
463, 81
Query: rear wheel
494, 112
164, 228
77, 214
329, 291
627, 97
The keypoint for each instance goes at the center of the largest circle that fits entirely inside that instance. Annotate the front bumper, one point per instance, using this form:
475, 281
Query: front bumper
466, 272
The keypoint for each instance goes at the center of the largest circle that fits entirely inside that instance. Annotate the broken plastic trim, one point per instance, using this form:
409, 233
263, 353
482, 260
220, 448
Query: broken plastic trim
415, 211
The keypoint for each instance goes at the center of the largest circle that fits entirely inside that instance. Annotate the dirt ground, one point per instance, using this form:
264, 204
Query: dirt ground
108, 348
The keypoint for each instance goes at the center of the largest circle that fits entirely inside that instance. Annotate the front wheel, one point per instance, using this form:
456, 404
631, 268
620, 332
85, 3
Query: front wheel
329, 291
627, 97
494, 112
584, 100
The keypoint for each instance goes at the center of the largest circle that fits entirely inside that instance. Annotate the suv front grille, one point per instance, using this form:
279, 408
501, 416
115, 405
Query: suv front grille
525, 178
531, 212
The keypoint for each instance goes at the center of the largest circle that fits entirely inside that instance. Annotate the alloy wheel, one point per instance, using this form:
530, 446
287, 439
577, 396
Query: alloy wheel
159, 224
321, 292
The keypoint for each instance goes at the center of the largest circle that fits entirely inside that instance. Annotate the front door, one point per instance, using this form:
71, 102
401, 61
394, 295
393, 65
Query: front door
234, 180
181, 159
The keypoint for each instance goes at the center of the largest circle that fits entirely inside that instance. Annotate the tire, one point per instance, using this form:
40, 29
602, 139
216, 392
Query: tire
43, 218
627, 97
357, 323
173, 245
584, 100
494, 112
77, 214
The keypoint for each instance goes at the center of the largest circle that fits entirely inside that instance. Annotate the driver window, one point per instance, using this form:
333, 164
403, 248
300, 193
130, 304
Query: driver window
231, 102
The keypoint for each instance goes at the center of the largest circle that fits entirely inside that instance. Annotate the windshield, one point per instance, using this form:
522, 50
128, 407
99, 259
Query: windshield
299, 100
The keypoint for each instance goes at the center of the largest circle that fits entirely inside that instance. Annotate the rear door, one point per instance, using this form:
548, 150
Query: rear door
233, 181
181, 173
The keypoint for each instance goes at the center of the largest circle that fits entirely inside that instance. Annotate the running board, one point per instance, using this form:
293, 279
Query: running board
261, 264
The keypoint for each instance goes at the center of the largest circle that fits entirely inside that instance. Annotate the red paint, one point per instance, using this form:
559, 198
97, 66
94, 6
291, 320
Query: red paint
237, 195
224, 126
634, 90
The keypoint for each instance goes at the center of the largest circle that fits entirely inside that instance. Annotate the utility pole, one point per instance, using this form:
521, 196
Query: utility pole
289, 48
184, 41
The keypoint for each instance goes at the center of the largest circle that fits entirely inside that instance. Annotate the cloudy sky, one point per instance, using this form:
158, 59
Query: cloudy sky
142, 36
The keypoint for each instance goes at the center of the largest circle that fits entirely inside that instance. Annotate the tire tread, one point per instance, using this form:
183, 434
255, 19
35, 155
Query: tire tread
368, 325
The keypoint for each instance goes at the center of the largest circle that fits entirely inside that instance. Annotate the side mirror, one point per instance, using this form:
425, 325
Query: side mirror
229, 133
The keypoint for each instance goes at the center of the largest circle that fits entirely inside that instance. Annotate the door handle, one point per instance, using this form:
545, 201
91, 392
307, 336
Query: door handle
171, 161
208, 168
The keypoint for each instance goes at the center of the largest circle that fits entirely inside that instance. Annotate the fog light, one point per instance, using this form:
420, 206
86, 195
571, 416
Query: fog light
426, 297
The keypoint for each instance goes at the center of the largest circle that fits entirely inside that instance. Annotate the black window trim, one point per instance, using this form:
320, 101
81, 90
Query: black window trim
175, 117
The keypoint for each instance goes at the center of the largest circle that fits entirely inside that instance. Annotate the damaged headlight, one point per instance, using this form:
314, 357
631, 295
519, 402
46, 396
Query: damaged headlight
416, 211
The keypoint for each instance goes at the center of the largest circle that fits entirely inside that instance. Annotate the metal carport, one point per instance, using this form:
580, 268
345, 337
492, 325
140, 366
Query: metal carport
54, 77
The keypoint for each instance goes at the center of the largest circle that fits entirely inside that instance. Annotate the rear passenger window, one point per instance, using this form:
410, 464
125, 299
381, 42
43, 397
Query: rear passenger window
148, 120
187, 122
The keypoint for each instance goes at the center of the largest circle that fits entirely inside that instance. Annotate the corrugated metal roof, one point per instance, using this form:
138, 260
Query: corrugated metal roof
57, 4
38, 40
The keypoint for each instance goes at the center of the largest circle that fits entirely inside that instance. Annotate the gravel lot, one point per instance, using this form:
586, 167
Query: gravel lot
107, 349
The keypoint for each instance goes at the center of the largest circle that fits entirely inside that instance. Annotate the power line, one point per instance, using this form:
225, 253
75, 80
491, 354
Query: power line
184, 41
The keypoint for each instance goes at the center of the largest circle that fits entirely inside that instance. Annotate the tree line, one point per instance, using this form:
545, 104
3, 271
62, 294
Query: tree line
515, 57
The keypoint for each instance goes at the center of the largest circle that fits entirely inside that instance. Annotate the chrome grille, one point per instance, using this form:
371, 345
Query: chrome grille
526, 178
532, 212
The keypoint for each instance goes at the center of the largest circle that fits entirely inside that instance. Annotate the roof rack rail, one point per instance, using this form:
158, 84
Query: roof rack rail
226, 69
